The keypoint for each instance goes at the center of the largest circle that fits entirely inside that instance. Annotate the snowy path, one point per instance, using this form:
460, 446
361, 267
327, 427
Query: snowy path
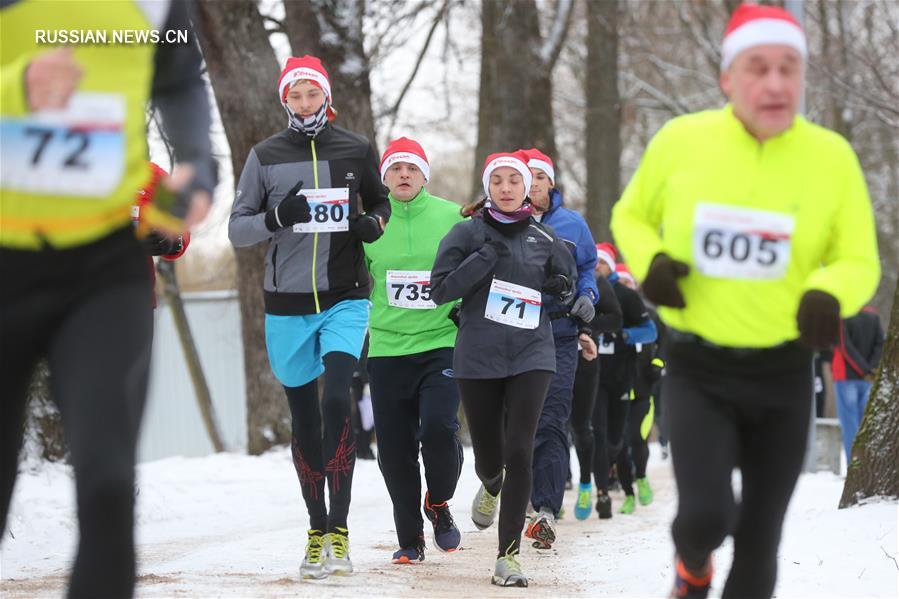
234, 526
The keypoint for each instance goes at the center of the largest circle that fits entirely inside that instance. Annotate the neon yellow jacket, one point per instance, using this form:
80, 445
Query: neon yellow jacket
31, 209
807, 172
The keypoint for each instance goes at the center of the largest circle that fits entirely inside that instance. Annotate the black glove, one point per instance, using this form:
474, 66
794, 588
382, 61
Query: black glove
366, 227
557, 286
583, 309
454, 313
293, 209
660, 286
818, 320
155, 244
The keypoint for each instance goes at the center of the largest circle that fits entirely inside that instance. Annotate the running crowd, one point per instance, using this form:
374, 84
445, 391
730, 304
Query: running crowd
742, 240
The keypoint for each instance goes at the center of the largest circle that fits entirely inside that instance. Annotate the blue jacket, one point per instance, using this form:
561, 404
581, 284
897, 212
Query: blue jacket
571, 228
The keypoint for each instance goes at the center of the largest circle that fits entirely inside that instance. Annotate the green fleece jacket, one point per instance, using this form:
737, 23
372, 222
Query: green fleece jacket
403, 320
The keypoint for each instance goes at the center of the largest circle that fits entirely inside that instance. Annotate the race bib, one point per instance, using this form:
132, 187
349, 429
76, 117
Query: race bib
513, 305
410, 289
606, 348
741, 243
78, 151
330, 209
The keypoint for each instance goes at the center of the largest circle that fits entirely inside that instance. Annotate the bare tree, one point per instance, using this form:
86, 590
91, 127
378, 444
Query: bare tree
603, 116
239, 58
515, 102
333, 31
874, 465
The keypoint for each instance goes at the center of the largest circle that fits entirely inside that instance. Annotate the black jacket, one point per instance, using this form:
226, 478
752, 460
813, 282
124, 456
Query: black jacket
465, 267
862, 344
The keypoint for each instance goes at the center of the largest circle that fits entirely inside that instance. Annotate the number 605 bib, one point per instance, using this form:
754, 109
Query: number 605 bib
513, 305
741, 243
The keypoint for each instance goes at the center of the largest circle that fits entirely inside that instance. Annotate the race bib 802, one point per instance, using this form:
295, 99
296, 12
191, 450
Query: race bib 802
741, 243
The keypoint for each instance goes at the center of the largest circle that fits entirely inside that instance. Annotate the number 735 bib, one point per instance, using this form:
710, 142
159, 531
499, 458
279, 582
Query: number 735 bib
513, 305
741, 243
409, 289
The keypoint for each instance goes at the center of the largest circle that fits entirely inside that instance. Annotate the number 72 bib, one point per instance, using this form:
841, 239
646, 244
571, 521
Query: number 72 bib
741, 243
78, 151
513, 305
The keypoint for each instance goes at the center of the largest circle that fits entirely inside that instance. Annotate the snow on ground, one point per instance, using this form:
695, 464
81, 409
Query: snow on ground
234, 526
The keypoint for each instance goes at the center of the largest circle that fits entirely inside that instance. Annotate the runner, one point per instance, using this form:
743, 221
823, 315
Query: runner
751, 228
410, 359
498, 263
75, 286
608, 319
314, 193
617, 357
551, 457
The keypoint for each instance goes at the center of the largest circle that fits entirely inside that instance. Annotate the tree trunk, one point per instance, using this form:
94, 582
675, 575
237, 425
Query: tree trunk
43, 423
515, 102
603, 116
874, 467
244, 75
333, 32
166, 270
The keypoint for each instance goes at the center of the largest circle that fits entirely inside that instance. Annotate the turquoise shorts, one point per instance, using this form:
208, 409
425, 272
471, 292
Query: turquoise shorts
296, 344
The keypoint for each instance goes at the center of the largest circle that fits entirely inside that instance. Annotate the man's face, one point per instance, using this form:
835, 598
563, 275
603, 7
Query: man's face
404, 180
305, 98
764, 84
603, 268
539, 193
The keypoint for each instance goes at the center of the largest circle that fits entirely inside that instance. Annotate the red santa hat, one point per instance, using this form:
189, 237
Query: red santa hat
517, 160
606, 252
537, 159
306, 68
754, 25
624, 273
405, 150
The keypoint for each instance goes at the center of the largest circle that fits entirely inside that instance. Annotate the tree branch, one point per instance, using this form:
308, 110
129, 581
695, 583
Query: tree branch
555, 38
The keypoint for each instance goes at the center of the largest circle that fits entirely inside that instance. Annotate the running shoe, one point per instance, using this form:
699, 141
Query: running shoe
644, 491
337, 552
313, 566
584, 501
410, 555
629, 505
483, 508
447, 537
507, 572
543, 530
604, 506
690, 586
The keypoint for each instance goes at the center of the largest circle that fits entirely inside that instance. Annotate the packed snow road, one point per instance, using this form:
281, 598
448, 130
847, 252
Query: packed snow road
234, 526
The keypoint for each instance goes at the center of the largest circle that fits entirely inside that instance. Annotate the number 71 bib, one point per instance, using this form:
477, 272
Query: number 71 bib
741, 243
330, 209
513, 305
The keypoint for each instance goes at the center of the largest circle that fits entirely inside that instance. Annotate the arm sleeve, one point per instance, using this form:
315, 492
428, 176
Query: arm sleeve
585, 257
247, 223
374, 194
635, 312
179, 93
608, 311
877, 352
851, 267
456, 269
561, 262
637, 216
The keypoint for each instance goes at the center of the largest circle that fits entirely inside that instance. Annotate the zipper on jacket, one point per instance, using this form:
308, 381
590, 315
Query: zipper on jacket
318, 308
275, 267
408, 230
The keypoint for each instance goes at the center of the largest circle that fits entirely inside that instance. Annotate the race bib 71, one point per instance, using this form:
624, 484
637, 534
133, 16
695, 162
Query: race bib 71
513, 305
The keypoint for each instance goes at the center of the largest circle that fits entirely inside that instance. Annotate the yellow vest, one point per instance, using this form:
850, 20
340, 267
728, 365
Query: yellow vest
709, 194
71, 180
